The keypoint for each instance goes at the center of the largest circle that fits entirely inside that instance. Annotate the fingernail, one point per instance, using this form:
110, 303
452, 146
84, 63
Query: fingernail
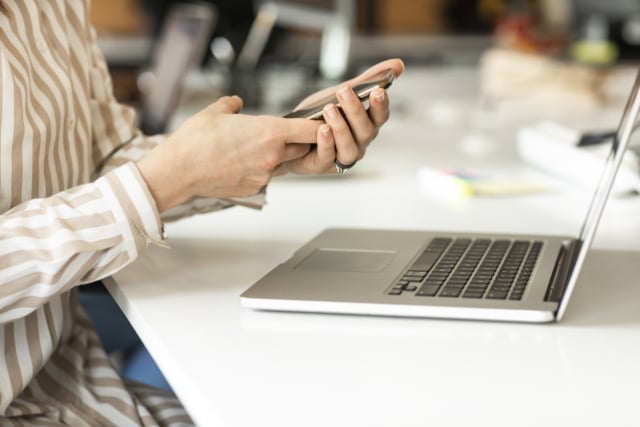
345, 92
330, 110
379, 94
324, 130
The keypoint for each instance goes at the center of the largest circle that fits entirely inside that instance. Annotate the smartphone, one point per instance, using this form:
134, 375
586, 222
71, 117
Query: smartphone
362, 90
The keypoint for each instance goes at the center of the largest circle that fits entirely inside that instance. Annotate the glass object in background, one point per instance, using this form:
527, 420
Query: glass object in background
611, 30
594, 45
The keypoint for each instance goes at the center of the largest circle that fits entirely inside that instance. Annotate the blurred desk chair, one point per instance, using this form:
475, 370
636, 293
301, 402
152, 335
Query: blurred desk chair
333, 18
183, 40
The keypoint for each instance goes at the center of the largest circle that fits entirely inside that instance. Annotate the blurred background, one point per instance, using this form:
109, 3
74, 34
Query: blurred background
272, 53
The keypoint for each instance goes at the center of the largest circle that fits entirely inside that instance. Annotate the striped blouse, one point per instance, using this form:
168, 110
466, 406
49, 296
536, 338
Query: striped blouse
73, 209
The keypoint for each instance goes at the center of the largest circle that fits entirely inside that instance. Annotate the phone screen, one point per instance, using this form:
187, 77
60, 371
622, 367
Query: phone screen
363, 90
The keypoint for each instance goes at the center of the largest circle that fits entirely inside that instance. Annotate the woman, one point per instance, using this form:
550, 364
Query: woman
81, 193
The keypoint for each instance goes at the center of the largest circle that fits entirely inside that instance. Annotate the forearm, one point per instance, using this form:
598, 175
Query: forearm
48, 246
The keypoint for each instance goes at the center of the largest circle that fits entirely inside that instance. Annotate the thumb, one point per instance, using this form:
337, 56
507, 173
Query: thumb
226, 105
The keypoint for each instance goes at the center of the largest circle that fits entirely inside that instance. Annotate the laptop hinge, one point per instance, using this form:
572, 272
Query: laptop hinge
564, 265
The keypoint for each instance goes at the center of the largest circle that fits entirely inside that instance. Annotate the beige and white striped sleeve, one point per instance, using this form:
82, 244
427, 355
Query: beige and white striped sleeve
49, 245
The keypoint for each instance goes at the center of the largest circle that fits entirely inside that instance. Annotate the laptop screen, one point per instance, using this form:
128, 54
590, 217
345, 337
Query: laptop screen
183, 41
603, 189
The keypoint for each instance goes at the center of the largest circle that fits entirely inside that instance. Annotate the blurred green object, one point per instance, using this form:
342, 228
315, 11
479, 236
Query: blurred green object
596, 52
595, 46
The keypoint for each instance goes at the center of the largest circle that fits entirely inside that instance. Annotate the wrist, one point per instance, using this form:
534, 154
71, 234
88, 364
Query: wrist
165, 188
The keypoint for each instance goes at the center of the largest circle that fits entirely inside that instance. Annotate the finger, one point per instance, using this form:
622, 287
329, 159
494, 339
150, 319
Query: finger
326, 150
379, 107
295, 151
318, 160
226, 105
298, 131
396, 65
359, 121
347, 150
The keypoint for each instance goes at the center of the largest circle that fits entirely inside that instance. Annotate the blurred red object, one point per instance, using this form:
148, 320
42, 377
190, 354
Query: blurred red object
519, 31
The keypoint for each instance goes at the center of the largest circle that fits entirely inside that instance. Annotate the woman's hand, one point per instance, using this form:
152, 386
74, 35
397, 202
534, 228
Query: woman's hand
219, 153
345, 137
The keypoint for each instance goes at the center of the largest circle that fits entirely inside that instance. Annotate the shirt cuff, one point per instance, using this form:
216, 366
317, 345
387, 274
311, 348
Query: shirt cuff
200, 205
138, 205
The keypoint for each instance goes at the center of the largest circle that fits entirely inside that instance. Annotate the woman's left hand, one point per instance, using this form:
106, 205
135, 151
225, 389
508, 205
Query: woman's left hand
344, 138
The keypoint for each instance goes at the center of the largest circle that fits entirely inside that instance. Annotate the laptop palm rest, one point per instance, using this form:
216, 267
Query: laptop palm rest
348, 260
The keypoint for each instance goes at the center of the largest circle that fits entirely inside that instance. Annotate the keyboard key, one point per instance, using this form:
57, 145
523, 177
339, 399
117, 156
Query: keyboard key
426, 261
416, 273
473, 294
450, 292
428, 290
497, 295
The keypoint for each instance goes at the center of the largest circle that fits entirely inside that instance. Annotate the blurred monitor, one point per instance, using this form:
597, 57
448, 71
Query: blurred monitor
183, 39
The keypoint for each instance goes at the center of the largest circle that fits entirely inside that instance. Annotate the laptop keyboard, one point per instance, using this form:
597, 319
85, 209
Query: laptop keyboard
471, 268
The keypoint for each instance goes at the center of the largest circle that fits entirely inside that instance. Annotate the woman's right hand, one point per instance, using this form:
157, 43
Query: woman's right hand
219, 153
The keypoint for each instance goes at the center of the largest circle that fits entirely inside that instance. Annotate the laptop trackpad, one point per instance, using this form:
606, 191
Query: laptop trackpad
354, 260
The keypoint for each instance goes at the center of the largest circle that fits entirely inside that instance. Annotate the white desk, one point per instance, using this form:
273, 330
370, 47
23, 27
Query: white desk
237, 367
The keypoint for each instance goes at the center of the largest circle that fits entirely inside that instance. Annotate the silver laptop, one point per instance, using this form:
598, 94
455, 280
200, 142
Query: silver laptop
527, 278
182, 44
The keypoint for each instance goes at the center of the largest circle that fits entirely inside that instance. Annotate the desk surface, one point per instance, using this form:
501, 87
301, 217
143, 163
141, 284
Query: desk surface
232, 366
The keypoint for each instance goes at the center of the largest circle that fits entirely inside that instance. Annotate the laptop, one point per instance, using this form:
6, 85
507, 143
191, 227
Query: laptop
501, 277
183, 41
